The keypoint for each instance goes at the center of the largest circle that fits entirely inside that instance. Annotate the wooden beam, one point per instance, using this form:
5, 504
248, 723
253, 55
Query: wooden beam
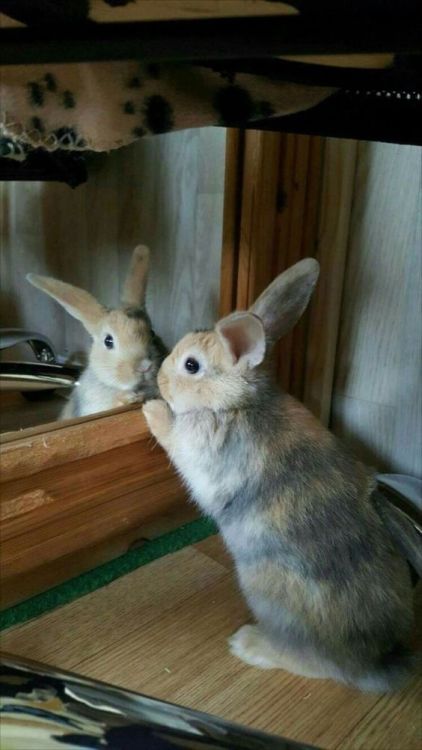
278, 225
258, 215
338, 181
231, 219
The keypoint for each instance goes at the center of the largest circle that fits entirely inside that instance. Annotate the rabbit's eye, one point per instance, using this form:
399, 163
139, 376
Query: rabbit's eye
191, 365
109, 342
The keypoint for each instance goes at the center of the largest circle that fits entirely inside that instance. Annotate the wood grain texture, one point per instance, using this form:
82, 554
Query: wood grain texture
338, 181
258, 215
270, 223
25, 503
308, 248
38, 448
296, 238
163, 630
71, 517
289, 226
147, 10
215, 548
378, 385
233, 183
280, 200
394, 722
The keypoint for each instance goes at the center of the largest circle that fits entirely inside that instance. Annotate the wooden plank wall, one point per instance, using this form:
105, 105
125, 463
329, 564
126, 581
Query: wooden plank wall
166, 191
377, 396
332, 238
277, 212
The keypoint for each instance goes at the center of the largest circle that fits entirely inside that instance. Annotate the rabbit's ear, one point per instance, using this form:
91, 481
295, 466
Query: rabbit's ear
136, 280
77, 302
243, 333
282, 303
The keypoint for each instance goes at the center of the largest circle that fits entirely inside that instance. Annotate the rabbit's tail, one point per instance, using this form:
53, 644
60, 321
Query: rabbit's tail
392, 672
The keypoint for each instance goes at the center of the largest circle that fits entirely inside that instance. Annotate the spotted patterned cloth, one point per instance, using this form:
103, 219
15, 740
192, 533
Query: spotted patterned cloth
101, 106
104, 105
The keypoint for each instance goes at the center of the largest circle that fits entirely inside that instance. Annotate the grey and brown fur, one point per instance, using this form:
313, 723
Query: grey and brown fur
127, 373
329, 591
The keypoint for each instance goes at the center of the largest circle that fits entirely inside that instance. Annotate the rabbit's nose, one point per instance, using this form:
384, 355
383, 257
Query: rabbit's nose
145, 365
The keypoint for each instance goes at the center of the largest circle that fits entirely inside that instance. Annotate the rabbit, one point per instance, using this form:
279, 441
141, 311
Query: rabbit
126, 353
329, 591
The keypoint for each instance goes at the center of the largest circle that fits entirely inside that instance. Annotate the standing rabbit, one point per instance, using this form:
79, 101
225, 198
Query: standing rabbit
329, 591
126, 353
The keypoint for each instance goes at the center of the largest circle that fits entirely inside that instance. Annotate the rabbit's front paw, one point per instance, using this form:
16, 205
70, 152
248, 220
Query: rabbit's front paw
158, 417
131, 398
251, 646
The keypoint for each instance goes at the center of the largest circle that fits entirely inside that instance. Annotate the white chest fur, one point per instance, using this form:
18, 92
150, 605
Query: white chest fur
193, 452
199, 451
93, 396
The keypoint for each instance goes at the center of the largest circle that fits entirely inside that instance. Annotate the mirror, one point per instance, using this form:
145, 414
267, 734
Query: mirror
167, 193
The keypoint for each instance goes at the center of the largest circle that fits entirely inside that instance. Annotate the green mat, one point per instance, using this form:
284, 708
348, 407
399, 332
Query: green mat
66, 592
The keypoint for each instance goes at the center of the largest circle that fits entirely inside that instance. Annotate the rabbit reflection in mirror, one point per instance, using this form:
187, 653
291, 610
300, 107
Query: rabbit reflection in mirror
126, 353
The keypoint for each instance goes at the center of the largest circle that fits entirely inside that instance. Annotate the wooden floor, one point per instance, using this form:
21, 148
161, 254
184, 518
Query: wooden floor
162, 630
